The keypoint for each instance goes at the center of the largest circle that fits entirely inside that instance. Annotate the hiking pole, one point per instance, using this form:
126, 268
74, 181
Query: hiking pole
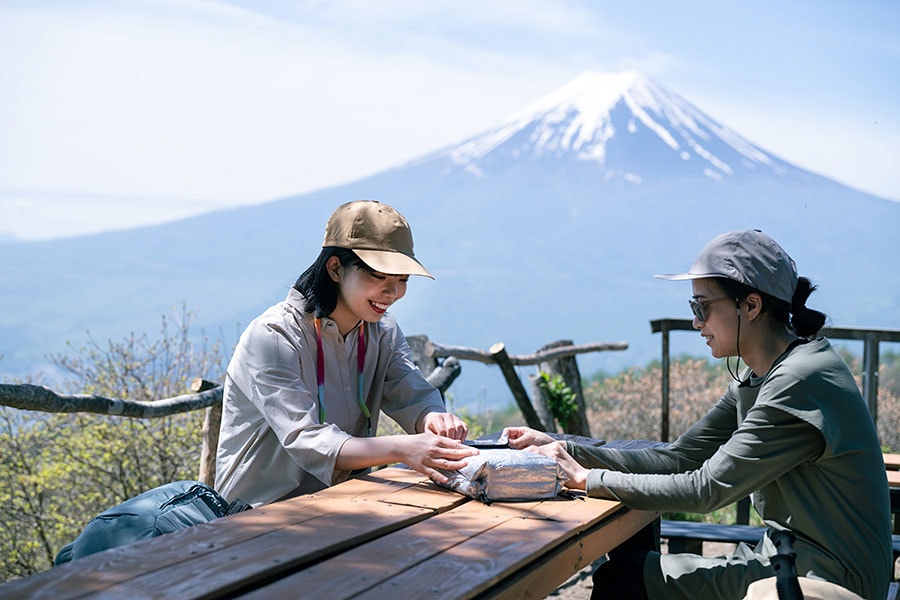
786, 583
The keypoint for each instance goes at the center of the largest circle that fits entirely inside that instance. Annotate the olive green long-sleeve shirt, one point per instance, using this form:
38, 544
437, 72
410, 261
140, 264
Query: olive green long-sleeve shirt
802, 443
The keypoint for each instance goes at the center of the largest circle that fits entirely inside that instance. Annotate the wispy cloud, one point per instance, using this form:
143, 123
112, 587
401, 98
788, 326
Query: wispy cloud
244, 101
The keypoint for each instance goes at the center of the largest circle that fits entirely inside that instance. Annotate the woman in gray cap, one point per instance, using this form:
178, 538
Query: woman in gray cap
792, 431
309, 377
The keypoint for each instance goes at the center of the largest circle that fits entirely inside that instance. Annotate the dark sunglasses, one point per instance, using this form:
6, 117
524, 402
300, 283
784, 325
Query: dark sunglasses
699, 308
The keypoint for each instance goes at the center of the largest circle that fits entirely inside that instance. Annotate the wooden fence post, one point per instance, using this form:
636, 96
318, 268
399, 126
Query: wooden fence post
212, 418
498, 352
440, 375
567, 368
541, 403
426, 362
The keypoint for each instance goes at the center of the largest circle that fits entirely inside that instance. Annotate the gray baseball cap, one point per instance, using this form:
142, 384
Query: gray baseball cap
748, 256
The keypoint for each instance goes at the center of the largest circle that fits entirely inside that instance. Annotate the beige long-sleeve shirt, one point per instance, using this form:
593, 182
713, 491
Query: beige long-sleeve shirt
271, 443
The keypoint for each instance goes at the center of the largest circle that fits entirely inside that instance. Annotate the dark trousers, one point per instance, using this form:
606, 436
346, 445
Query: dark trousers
622, 576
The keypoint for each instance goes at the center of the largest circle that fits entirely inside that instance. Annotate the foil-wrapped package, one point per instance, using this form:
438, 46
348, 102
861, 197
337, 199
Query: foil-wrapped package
507, 475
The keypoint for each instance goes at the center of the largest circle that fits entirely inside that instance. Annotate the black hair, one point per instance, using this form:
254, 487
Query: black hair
319, 290
803, 320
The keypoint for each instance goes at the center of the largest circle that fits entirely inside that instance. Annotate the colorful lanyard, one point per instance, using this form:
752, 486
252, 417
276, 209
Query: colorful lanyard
361, 363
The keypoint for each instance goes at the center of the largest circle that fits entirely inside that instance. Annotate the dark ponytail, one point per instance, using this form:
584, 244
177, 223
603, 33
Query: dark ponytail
805, 321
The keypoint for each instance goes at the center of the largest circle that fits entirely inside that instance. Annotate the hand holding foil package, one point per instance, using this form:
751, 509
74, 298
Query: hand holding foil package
507, 475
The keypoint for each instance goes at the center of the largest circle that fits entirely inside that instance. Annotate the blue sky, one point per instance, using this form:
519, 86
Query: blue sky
120, 113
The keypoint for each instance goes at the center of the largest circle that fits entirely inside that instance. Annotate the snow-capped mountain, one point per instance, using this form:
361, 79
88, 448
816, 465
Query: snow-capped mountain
548, 226
624, 125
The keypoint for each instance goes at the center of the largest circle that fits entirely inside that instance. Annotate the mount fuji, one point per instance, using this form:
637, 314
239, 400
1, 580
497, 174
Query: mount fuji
621, 125
548, 226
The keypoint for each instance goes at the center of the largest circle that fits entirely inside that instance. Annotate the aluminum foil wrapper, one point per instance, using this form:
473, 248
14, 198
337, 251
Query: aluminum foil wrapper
507, 475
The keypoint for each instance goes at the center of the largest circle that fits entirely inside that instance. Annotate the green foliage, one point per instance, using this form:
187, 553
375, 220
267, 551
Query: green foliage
57, 471
563, 402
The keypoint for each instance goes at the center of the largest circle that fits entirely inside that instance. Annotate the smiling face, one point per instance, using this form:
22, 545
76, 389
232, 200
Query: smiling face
363, 295
721, 325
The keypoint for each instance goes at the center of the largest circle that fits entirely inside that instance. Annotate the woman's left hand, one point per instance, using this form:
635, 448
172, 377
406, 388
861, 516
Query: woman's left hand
445, 424
577, 475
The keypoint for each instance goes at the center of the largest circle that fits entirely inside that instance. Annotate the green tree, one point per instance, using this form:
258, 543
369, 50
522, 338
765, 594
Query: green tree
562, 401
57, 471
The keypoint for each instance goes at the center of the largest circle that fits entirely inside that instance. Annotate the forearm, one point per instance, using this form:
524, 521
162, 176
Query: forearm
648, 460
768, 444
363, 452
687, 453
424, 452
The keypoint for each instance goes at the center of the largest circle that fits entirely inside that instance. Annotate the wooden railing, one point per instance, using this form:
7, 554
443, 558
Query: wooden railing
871, 337
556, 358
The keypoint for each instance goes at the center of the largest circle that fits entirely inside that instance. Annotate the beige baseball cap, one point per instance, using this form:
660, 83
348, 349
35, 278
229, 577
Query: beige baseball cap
376, 233
750, 257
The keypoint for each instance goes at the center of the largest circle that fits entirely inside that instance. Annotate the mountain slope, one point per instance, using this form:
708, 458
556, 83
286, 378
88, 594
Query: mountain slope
548, 226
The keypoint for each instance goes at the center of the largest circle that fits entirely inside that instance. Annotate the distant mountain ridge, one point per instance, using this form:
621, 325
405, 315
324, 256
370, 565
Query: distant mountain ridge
548, 226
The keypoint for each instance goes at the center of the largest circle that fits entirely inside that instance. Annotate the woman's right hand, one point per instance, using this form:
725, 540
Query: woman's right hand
576, 474
427, 452
522, 437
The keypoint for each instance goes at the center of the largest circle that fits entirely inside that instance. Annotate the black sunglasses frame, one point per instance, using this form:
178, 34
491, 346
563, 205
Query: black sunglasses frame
699, 307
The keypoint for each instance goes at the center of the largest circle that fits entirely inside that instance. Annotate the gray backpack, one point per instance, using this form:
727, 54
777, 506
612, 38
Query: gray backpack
162, 510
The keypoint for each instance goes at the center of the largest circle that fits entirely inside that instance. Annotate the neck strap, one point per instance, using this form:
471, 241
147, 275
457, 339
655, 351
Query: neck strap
361, 364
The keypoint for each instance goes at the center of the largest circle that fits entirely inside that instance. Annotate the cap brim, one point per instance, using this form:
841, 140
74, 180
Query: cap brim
686, 276
392, 263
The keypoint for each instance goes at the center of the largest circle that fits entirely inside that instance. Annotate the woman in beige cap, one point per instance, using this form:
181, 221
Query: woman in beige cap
310, 376
792, 431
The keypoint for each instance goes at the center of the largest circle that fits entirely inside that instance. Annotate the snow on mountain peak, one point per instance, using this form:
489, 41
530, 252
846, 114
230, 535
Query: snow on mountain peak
596, 112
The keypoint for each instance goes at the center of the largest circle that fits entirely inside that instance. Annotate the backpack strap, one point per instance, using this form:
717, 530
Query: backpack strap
237, 506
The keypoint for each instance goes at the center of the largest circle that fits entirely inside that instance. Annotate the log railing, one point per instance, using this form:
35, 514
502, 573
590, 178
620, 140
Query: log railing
207, 395
871, 337
556, 358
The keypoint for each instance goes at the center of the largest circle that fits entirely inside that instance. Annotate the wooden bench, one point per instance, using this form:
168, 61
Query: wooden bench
688, 536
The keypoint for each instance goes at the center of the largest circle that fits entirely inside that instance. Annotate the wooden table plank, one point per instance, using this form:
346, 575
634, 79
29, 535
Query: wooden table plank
198, 546
272, 555
533, 582
893, 478
516, 536
347, 519
481, 563
891, 461
355, 571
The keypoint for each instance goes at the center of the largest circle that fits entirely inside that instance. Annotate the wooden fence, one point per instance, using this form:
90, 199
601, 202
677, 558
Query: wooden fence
870, 337
439, 364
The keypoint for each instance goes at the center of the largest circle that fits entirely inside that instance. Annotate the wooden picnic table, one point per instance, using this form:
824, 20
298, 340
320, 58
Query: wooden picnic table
390, 534
891, 461
893, 479
892, 469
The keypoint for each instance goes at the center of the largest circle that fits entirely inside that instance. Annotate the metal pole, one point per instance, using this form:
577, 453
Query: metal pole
870, 374
664, 421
